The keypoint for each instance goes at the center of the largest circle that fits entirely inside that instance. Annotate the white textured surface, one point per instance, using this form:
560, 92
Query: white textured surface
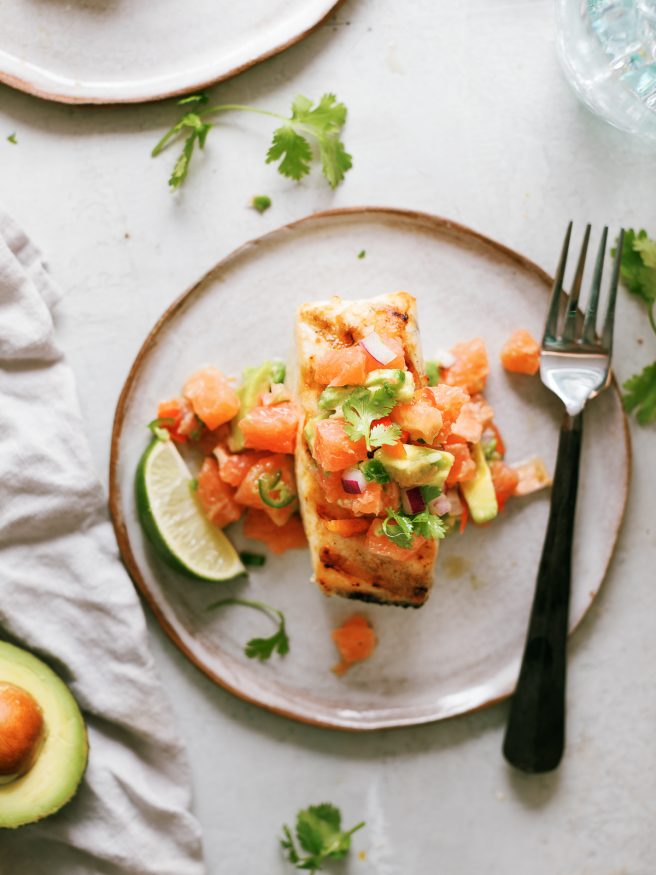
462, 112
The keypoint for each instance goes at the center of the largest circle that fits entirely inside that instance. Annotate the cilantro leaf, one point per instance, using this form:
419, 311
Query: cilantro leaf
428, 525
291, 143
294, 150
638, 272
362, 407
198, 131
319, 833
638, 265
401, 528
384, 435
261, 648
12, 139
641, 395
398, 528
375, 471
362, 253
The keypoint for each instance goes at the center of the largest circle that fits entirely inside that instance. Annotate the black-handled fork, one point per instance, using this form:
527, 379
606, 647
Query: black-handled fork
575, 365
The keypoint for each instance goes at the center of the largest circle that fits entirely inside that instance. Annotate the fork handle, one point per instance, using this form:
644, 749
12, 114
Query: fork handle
535, 733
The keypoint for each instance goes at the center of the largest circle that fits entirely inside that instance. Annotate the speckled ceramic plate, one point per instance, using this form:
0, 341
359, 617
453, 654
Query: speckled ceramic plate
116, 51
460, 651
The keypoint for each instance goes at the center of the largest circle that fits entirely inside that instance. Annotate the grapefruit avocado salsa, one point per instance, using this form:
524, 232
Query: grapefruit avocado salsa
382, 453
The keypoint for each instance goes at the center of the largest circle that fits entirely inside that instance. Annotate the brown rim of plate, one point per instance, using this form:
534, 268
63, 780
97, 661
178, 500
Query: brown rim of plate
27, 87
438, 223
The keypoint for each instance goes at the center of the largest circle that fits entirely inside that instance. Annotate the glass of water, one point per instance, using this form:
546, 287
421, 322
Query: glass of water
608, 51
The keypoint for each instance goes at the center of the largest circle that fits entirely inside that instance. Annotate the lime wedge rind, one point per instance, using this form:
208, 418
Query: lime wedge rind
173, 520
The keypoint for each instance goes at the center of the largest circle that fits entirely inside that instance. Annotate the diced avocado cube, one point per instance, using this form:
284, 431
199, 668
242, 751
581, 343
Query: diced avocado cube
401, 382
309, 432
254, 383
421, 466
332, 398
479, 492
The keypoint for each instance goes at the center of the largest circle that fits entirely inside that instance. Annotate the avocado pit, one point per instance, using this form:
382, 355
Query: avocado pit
22, 731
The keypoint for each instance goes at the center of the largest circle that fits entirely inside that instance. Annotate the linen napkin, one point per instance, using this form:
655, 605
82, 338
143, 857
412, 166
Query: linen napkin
65, 595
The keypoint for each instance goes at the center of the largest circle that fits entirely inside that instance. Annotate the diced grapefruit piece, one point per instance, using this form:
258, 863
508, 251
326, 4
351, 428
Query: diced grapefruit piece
464, 467
260, 527
333, 450
521, 353
504, 480
449, 400
347, 528
178, 418
341, 367
419, 417
211, 396
368, 502
533, 476
471, 366
381, 545
468, 426
355, 640
271, 428
233, 467
216, 497
249, 490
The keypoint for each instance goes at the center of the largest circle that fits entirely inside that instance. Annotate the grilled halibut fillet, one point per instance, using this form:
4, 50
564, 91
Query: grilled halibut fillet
343, 565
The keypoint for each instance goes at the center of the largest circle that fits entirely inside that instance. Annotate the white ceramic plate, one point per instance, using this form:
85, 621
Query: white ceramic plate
115, 51
462, 649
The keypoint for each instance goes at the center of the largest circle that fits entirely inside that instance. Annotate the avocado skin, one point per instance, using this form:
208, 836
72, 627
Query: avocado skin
254, 382
479, 492
423, 466
61, 763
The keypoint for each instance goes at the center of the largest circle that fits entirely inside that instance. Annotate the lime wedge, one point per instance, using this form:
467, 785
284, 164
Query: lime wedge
173, 519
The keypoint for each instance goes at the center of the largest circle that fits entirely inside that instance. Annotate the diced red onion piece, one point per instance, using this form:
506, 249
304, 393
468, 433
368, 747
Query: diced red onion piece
413, 500
377, 349
354, 481
440, 505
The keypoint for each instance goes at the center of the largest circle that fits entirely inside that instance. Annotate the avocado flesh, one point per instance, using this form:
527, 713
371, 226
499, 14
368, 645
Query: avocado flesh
58, 769
402, 382
422, 466
254, 383
479, 492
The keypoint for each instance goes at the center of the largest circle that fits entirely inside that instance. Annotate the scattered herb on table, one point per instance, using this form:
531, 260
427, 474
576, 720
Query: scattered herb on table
362, 253
638, 273
252, 560
319, 833
291, 144
261, 648
261, 203
12, 139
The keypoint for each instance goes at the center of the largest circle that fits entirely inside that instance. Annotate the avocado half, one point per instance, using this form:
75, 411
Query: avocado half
55, 774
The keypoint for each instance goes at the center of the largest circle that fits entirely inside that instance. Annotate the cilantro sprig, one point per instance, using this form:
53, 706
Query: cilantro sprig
362, 408
319, 833
261, 648
638, 273
401, 528
310, 130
